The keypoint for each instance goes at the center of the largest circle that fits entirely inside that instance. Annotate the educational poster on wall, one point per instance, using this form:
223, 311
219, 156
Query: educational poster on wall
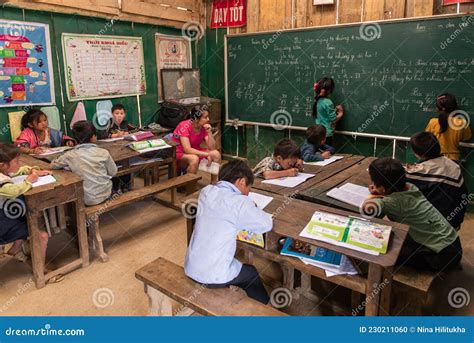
172, 52
26, 76
103, 66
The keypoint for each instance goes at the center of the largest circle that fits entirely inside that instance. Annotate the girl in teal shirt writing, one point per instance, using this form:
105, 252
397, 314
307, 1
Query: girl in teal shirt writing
324, 111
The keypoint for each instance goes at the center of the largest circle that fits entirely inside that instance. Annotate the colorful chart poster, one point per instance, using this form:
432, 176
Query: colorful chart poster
99, 66
26, 76
172, 52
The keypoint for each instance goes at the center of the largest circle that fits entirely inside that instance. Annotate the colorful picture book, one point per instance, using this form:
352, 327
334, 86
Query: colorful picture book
150, 145
332, 262
258, 239
349, 232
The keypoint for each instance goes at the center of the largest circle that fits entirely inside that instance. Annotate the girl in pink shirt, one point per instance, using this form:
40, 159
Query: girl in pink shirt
190, 134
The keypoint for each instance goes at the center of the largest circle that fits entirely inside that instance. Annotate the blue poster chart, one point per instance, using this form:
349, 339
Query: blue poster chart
25, 64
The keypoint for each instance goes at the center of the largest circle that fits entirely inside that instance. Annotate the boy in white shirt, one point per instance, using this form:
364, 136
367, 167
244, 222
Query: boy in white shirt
224, 210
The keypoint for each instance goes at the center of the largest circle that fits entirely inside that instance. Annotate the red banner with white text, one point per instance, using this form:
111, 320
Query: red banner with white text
228, 13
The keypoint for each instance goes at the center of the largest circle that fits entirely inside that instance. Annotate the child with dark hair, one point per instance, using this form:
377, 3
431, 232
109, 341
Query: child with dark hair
118, 125
314, 148
224, 210
189, 135
324, 111
13, 225
285, 161
93, 164
438, 178
36, 135
451, 126
432, 243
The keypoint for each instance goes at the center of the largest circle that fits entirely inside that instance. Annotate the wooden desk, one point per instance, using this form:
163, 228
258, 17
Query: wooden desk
321, 173
67, 190
292, 215
356, 174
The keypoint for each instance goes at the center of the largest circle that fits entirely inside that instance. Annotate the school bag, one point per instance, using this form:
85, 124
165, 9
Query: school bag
170, 114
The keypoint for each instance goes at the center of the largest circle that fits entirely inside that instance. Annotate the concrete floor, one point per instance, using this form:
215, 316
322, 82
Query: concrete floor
136, 235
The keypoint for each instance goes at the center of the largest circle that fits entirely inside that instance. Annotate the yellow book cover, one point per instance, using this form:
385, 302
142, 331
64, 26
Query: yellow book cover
252, 238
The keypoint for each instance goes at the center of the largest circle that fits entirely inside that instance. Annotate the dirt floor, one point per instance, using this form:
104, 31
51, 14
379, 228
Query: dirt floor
137, 234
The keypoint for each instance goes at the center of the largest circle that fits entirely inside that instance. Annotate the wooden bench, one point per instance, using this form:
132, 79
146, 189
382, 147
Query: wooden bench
165, 280
94, 212
413, 287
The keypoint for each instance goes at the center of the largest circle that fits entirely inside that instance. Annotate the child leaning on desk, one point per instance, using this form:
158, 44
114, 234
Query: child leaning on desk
285, 161
314, 148
224, 210
94, 165
36, 136
13, 226
432, 243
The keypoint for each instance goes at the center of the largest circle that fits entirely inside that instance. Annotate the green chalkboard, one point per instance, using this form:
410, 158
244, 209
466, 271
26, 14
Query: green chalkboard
387, 74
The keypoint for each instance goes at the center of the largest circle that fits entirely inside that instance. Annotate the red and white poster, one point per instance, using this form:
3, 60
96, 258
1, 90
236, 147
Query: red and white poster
228, 13
453, 2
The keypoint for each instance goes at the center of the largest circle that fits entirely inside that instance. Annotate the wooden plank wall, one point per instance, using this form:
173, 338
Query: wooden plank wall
155, 12
264, 15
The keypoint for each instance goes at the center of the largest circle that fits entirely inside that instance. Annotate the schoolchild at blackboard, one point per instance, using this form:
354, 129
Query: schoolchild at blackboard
314, 148
451, 126
324, 111
285, 161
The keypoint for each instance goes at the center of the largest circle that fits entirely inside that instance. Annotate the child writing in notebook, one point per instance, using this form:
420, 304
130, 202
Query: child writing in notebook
324, 111
13, 226
36, 136
285, 161
450, 127
438, 178
432, 243
119, 126
314, 148
93, 164
224, 210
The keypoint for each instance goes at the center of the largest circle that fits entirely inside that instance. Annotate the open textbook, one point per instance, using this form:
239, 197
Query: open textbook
349, 232
150, 145
261, 201
350, 193
213, 168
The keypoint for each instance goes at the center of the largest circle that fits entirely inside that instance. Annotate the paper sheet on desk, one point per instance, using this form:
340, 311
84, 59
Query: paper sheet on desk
290, 181
52, 151
325, 162
260, 200
111, 139
42, 180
